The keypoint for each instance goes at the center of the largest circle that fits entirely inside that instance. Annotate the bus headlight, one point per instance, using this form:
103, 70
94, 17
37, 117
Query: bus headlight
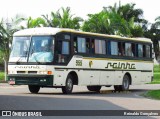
11, 72
45, 72
42, 72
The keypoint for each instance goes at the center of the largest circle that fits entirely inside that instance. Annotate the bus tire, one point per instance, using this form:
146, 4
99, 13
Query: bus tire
33, 88
67, 89
125, 83
94, 88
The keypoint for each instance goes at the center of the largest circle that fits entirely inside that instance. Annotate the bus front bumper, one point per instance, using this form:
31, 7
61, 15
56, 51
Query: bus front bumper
41, 80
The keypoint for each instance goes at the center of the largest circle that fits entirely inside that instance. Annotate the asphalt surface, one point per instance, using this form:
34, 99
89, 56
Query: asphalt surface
19, 98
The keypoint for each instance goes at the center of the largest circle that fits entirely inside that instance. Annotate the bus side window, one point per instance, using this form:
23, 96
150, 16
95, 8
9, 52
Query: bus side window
81, 45
65, 47
103, 42
148, 51
100, 46
128, 49
114, 48
140, 50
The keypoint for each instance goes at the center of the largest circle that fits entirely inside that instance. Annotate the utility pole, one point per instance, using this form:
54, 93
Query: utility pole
5, 69
8, 25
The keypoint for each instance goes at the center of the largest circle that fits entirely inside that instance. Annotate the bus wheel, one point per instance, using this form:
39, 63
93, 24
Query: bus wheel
94, 88
34, 89
125, 83
124, 86
67, 89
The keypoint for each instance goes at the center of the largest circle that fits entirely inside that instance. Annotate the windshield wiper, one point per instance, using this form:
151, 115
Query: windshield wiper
37, 60
18, 61
32, 51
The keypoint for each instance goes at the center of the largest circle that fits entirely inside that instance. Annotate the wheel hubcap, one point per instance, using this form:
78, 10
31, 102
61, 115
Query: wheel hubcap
69, 84
126, 83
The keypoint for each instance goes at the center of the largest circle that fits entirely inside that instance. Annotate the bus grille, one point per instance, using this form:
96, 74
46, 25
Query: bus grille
21, 72
26, 72
32, 72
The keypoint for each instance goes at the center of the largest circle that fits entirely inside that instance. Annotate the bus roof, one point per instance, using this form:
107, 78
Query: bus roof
53, 31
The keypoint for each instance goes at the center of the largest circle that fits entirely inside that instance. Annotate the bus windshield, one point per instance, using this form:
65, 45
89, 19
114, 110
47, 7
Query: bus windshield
32, 49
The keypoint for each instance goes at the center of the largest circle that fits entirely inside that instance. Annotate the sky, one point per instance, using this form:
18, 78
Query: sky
35, 8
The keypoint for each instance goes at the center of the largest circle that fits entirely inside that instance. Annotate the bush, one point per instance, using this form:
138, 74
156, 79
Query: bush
1, 76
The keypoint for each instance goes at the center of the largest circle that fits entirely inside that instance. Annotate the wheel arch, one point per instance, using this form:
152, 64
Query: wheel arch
74, 76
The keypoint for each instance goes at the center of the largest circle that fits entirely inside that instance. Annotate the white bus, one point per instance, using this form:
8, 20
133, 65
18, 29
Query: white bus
62, 58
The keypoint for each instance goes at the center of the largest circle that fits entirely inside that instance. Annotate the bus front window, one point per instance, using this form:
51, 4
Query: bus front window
42, 49
20, 49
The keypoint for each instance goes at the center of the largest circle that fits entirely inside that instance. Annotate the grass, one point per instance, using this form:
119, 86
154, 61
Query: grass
156, 74
156, 79
154, 94
156, 68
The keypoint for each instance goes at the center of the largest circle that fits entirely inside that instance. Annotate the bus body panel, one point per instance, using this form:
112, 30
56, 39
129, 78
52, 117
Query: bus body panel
95, 75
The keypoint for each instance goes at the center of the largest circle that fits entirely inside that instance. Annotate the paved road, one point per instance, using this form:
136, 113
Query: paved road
19, 98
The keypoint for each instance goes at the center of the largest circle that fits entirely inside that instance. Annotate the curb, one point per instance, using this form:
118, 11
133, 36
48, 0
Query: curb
3, 81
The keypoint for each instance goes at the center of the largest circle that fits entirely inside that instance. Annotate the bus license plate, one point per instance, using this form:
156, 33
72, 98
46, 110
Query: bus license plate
11, 82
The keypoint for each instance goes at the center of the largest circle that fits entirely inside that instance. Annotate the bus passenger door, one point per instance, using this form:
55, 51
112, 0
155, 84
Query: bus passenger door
63, 50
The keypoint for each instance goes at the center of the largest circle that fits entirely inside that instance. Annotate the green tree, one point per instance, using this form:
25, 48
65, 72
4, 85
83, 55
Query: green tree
6, 31
117, 20
33, 23
5, 39
157, 22
63, 19
127, 11
107, 23
16, 22
98, 23
134, 17
154, 34
53, 21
